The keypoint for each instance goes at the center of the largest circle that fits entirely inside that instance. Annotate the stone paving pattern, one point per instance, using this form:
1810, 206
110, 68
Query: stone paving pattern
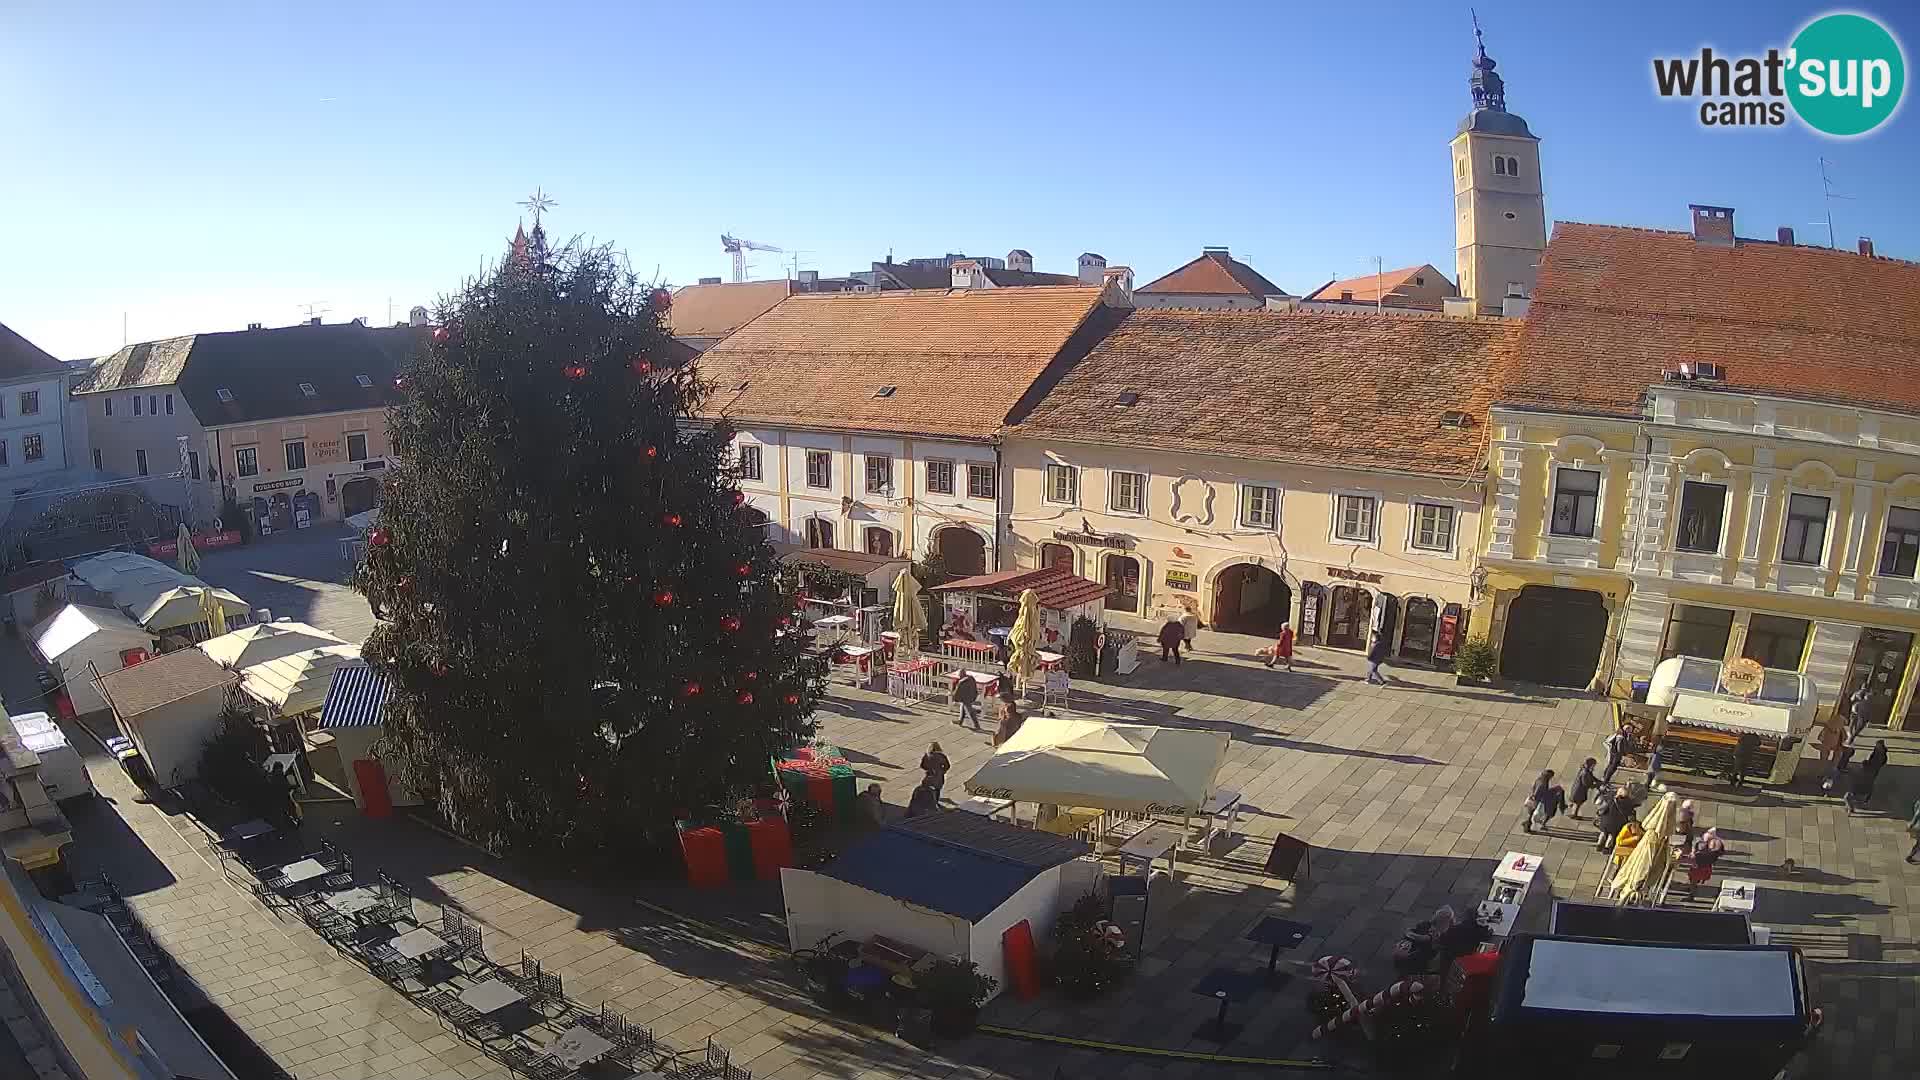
1408, 794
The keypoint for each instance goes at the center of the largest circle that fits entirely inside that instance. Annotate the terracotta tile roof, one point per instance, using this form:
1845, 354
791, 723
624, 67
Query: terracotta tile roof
143, 687
18, 356
1056, 588
1617, 306
853, 562
958, 359
718, 310
1214, 273
1349, 389
1389, 285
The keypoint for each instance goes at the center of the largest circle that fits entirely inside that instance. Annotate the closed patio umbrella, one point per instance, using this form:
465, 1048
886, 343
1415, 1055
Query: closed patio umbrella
186, 557
216, 612
1647, 865
1023, 639
909, 617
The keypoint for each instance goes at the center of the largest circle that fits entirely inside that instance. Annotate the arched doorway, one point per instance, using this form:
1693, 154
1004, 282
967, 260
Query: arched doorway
1059, 556
1349, 617
1313, 605
359, 495
1123, 582
1554, 636
1422, 622
1249, 599
963, 550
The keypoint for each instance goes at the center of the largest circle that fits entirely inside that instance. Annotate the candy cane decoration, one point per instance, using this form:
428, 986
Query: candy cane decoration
1408, 990
1328, 967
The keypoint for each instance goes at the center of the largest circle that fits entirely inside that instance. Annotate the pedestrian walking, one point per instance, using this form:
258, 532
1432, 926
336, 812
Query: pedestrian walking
966, 694
1584, 783
1377, 655
1860, 790
1010, 721
935, 764
1611, 810
1832, 735
1683, 822
1913, 830
1537, 799
1838, 777
1616, 747
1859, 706
1282, 648
1743, 751
1706, 853
1173, 633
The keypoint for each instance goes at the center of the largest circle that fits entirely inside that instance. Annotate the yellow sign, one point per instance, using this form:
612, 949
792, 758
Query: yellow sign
1183, 580
1742, 677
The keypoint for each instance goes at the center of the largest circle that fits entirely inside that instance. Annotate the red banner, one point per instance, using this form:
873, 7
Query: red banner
201, 540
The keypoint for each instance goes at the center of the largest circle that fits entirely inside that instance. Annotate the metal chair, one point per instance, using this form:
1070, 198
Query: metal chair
546, 991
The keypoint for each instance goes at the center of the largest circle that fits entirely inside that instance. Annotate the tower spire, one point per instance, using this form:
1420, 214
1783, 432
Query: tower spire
1489, 90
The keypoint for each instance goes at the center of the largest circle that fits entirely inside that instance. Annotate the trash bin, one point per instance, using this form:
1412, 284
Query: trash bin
1640, 688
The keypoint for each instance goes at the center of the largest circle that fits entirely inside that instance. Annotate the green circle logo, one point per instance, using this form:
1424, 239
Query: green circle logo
1847, 73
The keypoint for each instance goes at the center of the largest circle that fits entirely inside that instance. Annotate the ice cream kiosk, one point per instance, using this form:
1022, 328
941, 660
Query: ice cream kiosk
1709, 705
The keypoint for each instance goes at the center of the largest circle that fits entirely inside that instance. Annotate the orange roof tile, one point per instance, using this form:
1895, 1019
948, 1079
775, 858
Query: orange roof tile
1617, 306
1367, 289
1053, 586
958, 359
1346, 389
1214, 273
718, 310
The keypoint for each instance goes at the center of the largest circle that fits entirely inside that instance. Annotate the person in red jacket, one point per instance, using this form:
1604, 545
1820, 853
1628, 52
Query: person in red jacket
1282, 652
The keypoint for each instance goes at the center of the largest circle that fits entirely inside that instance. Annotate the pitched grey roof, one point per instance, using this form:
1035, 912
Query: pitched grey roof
20, 357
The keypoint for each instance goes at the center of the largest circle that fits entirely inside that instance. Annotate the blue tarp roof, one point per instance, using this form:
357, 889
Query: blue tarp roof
954, 862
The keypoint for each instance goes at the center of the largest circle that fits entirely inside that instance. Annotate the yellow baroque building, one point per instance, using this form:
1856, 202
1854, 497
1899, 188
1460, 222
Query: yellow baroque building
1709, 446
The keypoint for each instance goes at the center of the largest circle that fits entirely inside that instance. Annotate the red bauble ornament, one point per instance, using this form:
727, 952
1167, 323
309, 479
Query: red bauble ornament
671, 521
792, 699
745, 569
574, 372
752, 676
442, 335
662, 300
785, 622
378, 538
650, 452
639, 366
403, 584
663, 598
692, 689
730, 623
437, 668
400, 383
744, 697
739, 498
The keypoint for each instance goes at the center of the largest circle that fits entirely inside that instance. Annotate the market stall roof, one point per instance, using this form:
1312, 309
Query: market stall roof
150, 592
952, 862
153, 683
852, 562
1057, 588
75, 623
354, 697
1163, 770
297, 683
365, 519
257, 643
179, 605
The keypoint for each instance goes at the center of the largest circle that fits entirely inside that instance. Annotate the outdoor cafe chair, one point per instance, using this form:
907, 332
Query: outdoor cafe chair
526, 978
546, 991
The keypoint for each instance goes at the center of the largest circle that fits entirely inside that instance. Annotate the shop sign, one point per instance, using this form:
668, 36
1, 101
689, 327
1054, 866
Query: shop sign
1184, 580
1112, 540
277, 485
327, 450
1182, 555
1345, 574
202, 540
1742, 677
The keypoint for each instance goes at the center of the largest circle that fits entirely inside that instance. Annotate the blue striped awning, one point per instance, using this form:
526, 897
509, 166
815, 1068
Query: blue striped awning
354, 697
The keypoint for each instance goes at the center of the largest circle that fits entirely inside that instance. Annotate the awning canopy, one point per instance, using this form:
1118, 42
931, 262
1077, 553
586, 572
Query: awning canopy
257, 643
1057, 588
1160, 770
355, 697
297, 683
180, 605
76, 623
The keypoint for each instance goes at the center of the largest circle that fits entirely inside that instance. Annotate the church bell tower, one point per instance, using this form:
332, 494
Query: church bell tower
1499, 210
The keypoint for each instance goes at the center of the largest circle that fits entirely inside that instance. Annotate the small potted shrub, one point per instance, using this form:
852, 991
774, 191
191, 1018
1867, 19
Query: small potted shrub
953, 991
1475, 662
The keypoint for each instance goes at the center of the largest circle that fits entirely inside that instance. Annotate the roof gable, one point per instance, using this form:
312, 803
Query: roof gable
1387, 286
718, 310
19, 357
146, 363
169, 677
1214, 273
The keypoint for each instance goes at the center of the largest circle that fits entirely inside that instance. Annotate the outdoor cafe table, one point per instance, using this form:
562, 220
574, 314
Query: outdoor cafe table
1736, 895
490, 996
986, 682
304, 870
985, 807
246, 830
1149, 846
577, 1046
351, 902
1048, 659
417, 943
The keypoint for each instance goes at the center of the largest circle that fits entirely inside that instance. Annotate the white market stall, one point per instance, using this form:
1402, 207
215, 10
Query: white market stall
948, 883
867, 606
980, 611
257, 643
79, 633
1705, 716
296, 684
154, 594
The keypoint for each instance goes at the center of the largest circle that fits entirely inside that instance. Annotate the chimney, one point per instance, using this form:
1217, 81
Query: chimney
315, 321
1220, 251
1712, 225
1786, 236
253, 326
709, 281
1866, 246
1457, 307
968, 275
809, 277
1515, 307
1093, 268
417, 316
1118, 282
1020, 259
1283, 303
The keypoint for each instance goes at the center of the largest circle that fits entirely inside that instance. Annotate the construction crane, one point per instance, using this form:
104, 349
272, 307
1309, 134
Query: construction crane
738, 249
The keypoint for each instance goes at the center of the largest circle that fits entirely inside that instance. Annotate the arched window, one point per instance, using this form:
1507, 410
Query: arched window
1123, 578
879, 540
819, 533
1058, 555
1499, 165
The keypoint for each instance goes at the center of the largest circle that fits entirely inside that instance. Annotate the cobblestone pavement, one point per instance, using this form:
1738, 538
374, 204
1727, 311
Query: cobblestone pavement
298, 575
1408, 794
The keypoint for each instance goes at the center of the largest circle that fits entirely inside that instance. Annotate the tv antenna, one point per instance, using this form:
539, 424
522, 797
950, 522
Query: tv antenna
314, 309
1828, 194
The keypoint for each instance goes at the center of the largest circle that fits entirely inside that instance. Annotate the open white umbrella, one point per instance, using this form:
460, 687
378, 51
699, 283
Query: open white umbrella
1023, 640
909, 617
185, 556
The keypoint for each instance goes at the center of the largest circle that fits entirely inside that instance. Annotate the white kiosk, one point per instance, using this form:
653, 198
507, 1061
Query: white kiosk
1710, 705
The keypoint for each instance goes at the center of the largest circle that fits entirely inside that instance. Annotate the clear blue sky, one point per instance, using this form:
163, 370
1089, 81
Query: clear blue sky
197, 166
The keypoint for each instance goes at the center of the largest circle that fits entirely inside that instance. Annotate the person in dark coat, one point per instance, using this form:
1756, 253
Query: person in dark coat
1860, 790
966, 694
1173, 633
935, 764
1616, 746
1377, 655
1584, 783
925, 800
1010, 722
1611, 810
1743, 752
1838, 777
1541, 796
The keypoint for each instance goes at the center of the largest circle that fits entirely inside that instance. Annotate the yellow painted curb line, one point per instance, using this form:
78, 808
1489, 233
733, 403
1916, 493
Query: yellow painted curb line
1155, 1051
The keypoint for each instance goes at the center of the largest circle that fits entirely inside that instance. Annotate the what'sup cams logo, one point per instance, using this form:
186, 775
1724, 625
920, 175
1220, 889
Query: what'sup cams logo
1842, 76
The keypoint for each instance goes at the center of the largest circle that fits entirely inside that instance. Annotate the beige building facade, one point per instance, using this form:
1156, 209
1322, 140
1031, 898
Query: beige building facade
328, 467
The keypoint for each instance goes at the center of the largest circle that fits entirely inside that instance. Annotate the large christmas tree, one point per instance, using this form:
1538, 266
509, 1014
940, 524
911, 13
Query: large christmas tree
583, 634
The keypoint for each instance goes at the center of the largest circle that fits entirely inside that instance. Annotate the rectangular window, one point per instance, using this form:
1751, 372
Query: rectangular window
193, 464
140, 461
879, 474
939, 477
1805, 540
1900, 552
1123, 579
1127, 494
1259, 506
1698, 631
1063, 484
819, 469
246, 461
31, 448
153, 404
30, 403
880, 541
96, 457
357, 446
819, 533
980, 482
1576, 499
1432, 527
749, 462
1702, 506
3, 452
1353, 518
1777, 641
169, 404
136, 404
296, 455
108, 402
